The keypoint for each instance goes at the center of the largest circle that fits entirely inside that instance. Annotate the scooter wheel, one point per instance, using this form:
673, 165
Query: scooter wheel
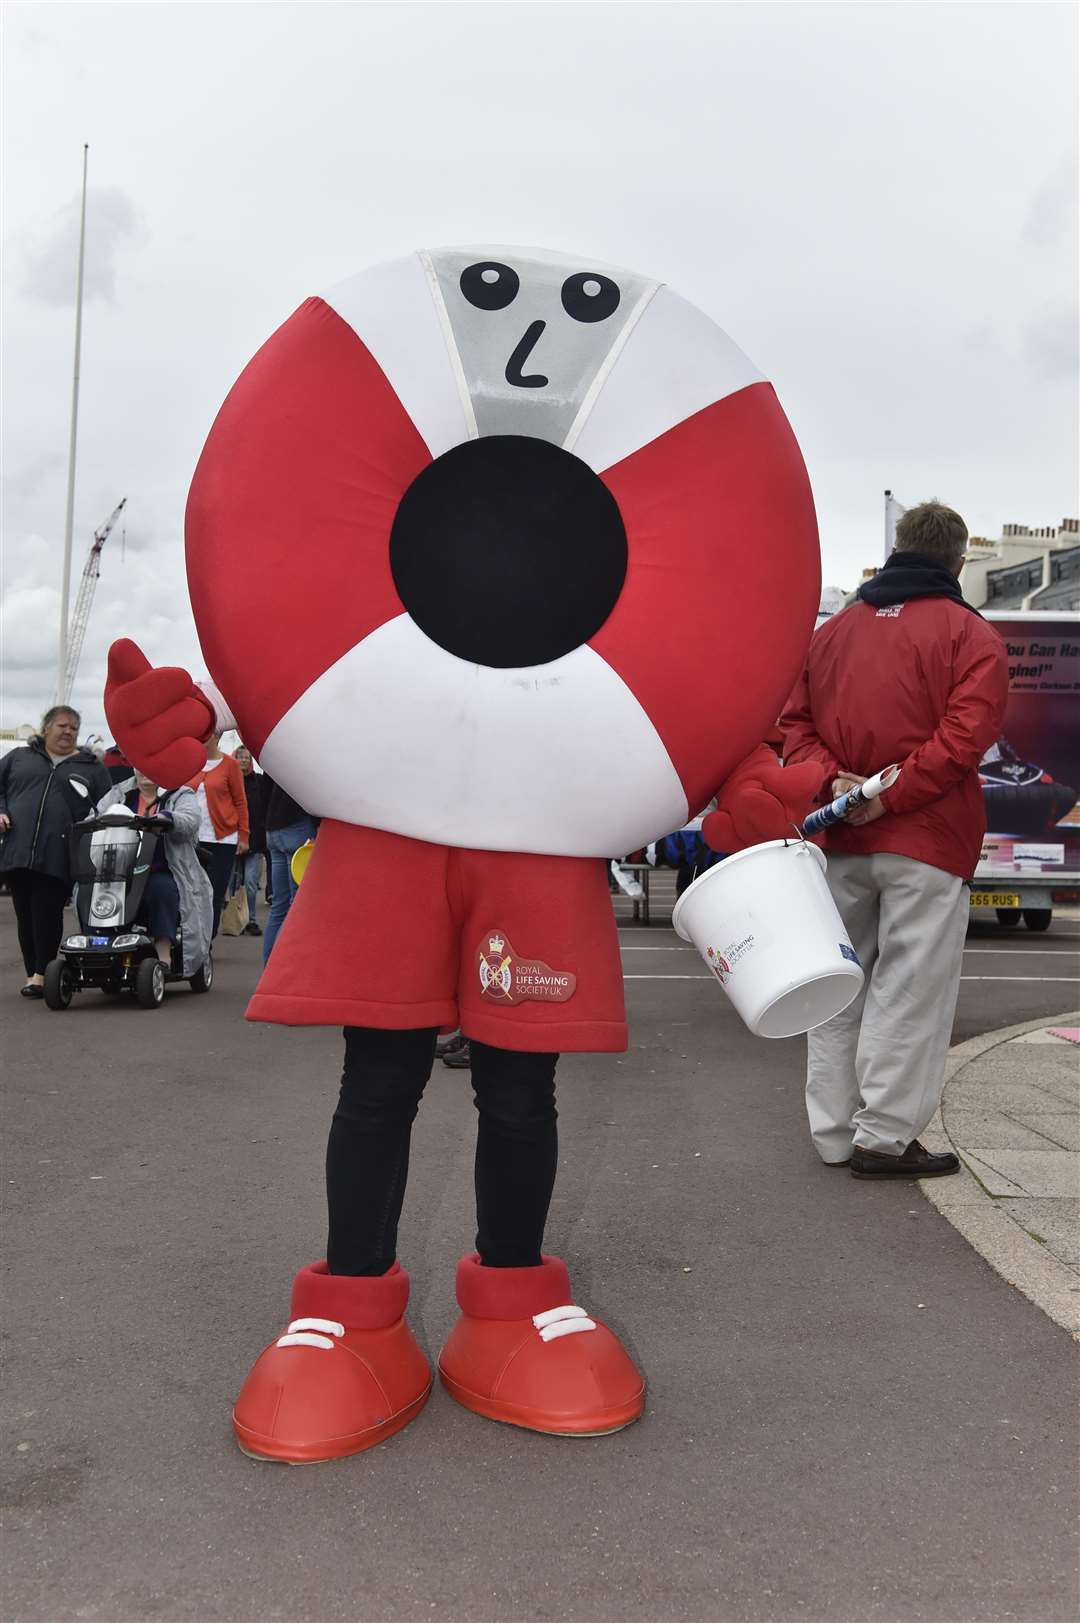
150, 983
203, 978
59, 984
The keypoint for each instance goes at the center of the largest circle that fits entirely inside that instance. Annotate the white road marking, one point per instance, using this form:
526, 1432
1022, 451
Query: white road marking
1001, 952
1067, 980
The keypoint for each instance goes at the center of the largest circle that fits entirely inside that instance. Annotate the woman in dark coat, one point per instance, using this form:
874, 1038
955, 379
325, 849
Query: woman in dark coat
44, 788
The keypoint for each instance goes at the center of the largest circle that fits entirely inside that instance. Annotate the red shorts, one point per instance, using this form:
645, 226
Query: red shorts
519, 951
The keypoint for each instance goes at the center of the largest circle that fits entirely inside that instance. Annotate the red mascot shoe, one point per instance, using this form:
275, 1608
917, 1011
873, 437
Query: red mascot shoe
345, 1374
521, 1353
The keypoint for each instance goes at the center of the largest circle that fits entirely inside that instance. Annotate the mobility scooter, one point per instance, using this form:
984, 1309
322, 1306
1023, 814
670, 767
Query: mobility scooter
111, 856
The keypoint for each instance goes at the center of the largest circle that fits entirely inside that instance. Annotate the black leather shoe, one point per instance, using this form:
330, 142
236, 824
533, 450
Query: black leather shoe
31, 991
460, 1059
251, 928
449, 1044
916, 1162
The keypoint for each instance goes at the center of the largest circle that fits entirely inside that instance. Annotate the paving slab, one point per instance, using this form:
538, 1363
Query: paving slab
967, 1090
1004, 1176
992, 1129
1053, 1223
1036, 1172
1053, 1069
964, 1188
992, 1180
1063, 1083
1061, 1130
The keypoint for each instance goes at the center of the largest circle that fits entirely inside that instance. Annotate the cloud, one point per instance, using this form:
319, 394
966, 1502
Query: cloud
52, 254
1052, 342
1052, 214
141, 592
982, 339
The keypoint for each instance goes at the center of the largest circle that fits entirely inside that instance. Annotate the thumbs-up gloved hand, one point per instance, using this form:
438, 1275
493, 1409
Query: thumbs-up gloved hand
761, 800
158, 716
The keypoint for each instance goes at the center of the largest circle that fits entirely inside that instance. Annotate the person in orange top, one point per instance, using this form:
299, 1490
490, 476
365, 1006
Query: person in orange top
223, 819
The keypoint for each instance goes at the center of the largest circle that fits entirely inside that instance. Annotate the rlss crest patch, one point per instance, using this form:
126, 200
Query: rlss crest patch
506, 978
722, 963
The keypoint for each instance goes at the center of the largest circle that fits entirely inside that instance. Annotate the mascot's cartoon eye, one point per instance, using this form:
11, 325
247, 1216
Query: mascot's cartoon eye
489, 285
590, 296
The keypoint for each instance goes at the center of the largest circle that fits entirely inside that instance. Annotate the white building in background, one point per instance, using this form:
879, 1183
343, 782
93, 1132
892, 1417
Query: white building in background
832, 601
14, 737
1025, 569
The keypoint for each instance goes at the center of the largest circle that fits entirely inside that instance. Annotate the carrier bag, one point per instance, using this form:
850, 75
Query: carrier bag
234, 915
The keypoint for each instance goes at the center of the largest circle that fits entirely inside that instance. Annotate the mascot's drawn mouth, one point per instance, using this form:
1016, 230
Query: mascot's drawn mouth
508, 551
514, 374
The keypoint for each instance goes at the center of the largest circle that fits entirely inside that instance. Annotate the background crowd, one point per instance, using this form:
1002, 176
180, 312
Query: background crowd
238, 819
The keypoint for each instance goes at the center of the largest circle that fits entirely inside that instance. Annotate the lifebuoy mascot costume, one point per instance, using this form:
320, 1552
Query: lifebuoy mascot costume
530, 558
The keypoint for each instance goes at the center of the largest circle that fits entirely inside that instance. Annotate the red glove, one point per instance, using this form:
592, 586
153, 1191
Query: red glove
158, 717
761, 800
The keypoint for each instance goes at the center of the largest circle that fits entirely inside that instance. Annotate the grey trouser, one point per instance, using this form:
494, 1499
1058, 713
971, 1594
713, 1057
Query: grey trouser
875, 1073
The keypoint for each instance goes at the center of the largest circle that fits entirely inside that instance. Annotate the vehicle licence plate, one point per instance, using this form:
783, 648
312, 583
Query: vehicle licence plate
99, 941
995, 898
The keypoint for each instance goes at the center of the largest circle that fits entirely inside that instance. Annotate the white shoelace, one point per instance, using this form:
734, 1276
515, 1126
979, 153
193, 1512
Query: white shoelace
311, 1333
562, 1321
556, 1322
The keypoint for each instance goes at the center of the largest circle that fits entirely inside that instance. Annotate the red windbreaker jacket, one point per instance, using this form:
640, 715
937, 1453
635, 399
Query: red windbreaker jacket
924, 684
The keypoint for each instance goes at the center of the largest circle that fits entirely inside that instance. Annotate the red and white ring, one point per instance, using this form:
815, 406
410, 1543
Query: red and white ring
358, 713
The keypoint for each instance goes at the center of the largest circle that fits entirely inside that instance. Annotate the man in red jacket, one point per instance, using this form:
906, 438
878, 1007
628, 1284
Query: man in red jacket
910, 674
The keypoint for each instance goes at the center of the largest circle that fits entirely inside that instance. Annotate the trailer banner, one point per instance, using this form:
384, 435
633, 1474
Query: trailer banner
1031, 774
1039, 663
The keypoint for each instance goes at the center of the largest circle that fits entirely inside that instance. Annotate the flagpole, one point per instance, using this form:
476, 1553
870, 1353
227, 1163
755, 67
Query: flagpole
65, 583
890, 527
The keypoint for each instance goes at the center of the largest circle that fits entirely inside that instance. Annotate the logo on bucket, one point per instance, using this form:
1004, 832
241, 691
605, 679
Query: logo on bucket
848, 951
722, 963
506, 978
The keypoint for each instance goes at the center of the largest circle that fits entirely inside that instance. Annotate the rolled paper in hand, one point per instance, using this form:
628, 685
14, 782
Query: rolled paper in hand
845, 804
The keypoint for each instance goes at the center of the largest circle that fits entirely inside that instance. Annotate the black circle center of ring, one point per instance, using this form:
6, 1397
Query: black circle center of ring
508, 551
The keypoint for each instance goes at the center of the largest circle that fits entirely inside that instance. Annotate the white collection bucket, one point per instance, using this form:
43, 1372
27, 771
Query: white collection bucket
766, 925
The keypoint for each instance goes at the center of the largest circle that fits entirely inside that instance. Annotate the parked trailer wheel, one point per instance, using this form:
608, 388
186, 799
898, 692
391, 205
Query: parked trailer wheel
59, 984
150, 983
1038, 918
1008, 916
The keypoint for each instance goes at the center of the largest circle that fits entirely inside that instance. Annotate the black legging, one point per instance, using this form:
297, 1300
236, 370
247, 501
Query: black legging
219, 866
367, 1158
39, 913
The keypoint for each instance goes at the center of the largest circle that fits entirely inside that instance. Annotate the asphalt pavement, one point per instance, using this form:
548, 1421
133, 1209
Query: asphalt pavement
850, 1415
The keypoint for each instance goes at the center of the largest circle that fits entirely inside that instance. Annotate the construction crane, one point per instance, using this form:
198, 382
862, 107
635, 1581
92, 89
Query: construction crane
81, 612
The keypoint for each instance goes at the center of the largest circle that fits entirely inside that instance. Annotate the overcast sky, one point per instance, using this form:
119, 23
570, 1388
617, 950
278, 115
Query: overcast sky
878, 203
